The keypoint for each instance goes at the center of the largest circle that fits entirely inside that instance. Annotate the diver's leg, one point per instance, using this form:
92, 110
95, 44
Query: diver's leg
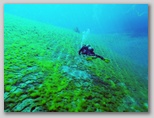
102, 58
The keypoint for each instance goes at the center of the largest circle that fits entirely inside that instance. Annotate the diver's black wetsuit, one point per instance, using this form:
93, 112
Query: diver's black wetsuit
90, 52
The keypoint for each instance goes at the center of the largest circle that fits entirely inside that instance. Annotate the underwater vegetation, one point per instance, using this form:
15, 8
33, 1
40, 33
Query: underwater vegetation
44, 73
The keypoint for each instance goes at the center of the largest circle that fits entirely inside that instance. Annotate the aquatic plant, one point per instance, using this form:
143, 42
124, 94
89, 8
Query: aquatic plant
8, 88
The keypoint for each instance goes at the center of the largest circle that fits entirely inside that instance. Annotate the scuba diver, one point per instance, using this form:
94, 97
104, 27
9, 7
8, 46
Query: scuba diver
89, 51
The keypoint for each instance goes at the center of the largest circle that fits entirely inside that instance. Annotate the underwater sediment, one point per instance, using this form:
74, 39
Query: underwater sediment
43, 72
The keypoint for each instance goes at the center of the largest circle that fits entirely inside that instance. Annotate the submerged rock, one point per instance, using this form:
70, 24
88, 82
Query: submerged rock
21, 106
6, 95
75, 73
79, 77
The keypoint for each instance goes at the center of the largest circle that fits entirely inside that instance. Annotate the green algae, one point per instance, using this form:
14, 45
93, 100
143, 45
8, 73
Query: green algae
38, 48
8, 88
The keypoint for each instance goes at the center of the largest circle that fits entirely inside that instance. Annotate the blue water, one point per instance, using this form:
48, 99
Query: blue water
99, 18
102, 19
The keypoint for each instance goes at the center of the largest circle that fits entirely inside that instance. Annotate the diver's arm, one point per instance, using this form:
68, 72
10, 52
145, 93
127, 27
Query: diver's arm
80, 51
83, 49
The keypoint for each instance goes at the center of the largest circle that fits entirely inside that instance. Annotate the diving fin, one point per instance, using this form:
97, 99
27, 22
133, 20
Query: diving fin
107, 60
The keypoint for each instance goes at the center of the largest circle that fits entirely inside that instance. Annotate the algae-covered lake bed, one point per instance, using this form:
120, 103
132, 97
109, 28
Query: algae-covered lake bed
43, 71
